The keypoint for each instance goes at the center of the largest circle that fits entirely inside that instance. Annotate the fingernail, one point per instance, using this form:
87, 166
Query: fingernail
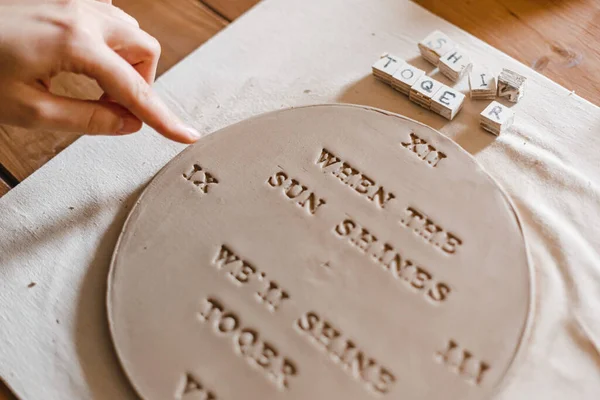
194, 134
129, 125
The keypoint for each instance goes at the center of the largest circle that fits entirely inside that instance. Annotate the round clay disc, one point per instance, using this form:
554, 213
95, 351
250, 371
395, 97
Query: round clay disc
324, 252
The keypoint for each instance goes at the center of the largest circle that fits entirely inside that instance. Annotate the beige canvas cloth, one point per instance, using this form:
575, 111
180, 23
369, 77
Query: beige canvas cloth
59, 227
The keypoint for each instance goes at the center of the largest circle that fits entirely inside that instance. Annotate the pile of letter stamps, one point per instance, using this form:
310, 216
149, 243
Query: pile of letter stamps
454, 63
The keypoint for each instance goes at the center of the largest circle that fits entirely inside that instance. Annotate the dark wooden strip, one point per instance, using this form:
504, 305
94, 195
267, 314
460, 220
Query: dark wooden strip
230, 9
5, 393
7, 177
4, 188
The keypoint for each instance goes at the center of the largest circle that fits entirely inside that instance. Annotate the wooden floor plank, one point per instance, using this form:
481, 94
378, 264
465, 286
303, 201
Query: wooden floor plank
230, 9
560, 39
179, 25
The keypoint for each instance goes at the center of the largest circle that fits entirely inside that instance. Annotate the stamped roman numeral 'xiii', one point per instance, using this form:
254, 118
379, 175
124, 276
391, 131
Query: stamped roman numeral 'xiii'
424, 150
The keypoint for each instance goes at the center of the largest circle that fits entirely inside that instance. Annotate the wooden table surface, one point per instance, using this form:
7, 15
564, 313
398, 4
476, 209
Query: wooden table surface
559, 38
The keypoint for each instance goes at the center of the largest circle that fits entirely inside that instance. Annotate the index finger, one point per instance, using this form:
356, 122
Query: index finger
123, 84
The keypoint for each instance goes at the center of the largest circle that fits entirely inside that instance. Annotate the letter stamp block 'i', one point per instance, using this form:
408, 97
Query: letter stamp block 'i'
482, 83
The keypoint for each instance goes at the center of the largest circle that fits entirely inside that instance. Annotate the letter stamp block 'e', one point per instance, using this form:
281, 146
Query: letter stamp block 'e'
447, 102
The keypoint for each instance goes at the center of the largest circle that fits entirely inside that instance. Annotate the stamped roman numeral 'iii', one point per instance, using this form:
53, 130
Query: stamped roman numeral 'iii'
463, 363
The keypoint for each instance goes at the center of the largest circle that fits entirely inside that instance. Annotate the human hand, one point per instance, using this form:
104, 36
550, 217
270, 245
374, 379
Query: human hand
40, 38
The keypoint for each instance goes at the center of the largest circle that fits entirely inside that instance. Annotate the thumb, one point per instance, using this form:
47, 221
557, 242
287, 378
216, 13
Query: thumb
83, 116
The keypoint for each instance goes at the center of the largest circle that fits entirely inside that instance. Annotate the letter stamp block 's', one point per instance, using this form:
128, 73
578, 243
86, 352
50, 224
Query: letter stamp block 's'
435, 45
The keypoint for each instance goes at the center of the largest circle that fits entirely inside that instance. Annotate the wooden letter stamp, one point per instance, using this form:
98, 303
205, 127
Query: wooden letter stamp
435, 45
423, 90
447, 102
496, 118
511, 85
454, 64
384, 68
405, 77
482, 83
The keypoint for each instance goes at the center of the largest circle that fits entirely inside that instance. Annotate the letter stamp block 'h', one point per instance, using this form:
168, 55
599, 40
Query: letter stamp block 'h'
455, 64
